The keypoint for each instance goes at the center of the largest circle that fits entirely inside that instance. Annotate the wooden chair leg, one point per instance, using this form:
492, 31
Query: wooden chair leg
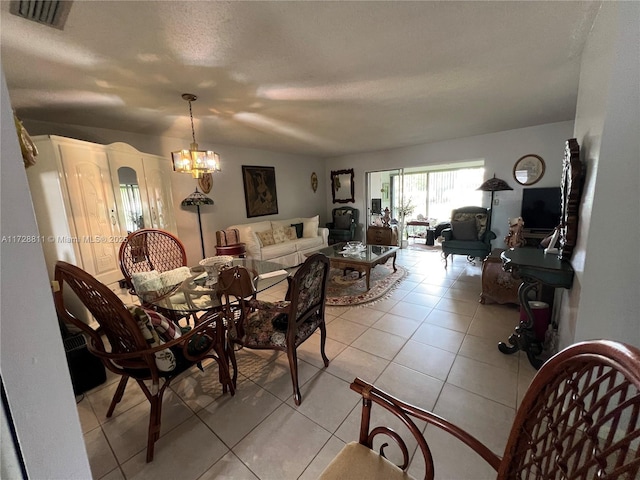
293, 367
323, 341
118, 395
155, 417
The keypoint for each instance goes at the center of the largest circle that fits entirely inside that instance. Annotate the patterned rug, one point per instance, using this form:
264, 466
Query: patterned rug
350, 290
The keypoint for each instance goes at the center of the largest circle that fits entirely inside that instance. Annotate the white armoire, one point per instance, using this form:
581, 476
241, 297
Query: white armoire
76, 192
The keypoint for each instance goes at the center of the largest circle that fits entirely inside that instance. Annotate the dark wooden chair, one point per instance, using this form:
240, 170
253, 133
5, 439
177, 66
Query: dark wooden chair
282, 325
126, 351
579, 420
150, 249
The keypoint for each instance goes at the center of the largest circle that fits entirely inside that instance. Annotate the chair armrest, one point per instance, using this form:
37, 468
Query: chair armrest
404, 411
447, 234
488, 236
329, 225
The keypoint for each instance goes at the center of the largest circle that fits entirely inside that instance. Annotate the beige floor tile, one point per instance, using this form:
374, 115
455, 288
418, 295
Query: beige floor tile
186, 452
101, 458
101, 399
424, 299
455, 306
426, 359
397, 325
488, 421
345, 331
364, 316
384, 305
410, 310
228, 467
352, 363
377, 342
450, 320
496, 329
327, 400
485, 350
309, 351
323, 459
198, 389
88, 419
231, 418
440, 337
430, 289
269, 449
410, 386
495, 383
471, 295
277, 377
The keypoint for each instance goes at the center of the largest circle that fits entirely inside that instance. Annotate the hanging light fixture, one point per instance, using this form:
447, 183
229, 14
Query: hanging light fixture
194, 161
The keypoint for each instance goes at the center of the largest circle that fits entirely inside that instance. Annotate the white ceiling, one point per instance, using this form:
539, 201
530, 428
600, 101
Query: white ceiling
317, 78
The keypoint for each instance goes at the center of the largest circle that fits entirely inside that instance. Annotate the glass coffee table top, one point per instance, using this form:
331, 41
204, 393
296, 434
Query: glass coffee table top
367, 254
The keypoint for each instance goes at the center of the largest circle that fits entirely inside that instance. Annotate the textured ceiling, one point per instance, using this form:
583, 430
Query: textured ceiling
318, 78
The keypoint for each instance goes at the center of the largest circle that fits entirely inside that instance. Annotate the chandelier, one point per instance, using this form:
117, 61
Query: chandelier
194, 161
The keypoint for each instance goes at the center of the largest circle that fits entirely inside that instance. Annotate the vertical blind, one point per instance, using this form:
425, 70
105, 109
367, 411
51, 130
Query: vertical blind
132, 204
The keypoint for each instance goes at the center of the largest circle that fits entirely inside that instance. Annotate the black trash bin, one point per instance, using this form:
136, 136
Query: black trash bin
87, 371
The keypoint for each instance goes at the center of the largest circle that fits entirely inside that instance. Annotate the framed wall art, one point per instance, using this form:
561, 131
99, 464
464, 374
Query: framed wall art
260, 195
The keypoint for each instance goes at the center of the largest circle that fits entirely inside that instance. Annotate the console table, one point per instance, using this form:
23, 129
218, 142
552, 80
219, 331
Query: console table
382, 235
533, 267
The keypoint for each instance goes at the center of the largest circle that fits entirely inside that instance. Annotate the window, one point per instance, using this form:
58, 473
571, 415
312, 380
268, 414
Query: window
132, 203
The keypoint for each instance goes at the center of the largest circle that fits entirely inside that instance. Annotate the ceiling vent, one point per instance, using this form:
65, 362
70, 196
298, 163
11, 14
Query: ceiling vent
51, 13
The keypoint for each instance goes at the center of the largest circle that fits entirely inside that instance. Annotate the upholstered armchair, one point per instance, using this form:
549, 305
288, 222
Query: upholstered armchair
469, 233
343, 227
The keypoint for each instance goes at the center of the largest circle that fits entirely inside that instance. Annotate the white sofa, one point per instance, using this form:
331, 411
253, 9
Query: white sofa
290, 252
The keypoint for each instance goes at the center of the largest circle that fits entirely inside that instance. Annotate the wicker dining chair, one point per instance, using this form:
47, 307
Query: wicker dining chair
579, 420
150, 249
126, 351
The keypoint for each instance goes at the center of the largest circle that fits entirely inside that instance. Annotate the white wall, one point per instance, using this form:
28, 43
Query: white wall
605, 299
32, 358
498, 150
293, 182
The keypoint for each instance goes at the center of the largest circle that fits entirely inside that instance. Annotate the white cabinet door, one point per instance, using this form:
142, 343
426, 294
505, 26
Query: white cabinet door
158, 171
93, 209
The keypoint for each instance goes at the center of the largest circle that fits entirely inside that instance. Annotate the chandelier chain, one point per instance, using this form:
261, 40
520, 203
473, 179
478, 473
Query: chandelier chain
193, 132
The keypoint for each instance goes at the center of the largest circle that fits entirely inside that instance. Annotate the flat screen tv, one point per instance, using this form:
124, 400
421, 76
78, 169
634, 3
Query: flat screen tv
541, 208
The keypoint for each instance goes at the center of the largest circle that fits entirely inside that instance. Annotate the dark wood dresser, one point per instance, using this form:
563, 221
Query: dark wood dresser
382, 235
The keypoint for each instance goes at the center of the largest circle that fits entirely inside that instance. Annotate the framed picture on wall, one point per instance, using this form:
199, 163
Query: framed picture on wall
260, 195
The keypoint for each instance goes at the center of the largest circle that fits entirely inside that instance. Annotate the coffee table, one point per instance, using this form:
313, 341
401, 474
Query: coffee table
363, 261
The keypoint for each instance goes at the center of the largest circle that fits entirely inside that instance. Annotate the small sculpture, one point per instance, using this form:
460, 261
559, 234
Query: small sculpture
514, 238
387, 217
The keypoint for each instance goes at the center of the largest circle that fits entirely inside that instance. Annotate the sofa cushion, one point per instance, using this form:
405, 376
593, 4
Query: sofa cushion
279, 235
310, 227
465, 230
298, 227
307, 243
266, 238
291, 233
278, 250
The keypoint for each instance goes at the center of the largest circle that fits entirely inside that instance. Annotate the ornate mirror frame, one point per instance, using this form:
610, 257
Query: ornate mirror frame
528, 169
571, 192
342, 187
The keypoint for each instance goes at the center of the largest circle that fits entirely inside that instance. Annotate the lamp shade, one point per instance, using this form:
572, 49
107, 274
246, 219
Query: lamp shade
197, 198
494, 185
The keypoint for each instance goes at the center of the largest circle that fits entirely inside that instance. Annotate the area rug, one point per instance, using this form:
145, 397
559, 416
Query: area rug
349, 290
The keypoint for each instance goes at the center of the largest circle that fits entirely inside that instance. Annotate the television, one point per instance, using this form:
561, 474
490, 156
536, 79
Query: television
541, 208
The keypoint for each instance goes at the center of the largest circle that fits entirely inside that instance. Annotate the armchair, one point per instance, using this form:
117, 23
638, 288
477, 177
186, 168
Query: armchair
578, 420
343, 227
470, 233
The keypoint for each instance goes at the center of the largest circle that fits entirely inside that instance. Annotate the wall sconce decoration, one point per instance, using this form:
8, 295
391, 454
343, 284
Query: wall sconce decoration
194, 161
314, 182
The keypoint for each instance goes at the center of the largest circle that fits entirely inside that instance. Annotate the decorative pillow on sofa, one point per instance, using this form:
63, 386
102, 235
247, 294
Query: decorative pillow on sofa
291, 233
279, 235
266, 238
298, 227
342, 222
464, 230
310, 227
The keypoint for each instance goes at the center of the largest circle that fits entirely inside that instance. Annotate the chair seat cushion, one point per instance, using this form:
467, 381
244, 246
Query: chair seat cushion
358, 461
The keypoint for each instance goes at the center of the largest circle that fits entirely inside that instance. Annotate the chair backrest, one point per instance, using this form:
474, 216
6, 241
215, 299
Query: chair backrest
150, 249
481, 215
115, 320
351, 212
307, 288
580, 417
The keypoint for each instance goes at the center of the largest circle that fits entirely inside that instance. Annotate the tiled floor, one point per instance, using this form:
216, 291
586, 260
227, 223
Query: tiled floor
430, 343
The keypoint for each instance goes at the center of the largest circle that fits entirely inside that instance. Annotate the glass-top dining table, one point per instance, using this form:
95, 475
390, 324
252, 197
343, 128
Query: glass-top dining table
198, 292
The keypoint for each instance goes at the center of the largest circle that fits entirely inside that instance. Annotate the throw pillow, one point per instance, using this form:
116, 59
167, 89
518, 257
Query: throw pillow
310, 227
266, 238
165, 360
481, 224
291, 233
298, 227
464, 230
342, 222
278, 235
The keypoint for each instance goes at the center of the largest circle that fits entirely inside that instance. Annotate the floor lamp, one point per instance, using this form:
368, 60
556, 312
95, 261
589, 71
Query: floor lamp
198, 199
494, 185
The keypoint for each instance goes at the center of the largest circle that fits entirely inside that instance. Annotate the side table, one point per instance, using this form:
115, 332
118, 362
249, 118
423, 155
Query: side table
497, 285
533, 267
237, 250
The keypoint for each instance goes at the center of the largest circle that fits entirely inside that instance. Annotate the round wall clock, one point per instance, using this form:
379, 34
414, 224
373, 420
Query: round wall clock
528, 169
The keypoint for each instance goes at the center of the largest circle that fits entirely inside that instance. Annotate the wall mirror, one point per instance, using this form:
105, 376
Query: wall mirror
131, 199
571, 192
342, 186
528, 169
